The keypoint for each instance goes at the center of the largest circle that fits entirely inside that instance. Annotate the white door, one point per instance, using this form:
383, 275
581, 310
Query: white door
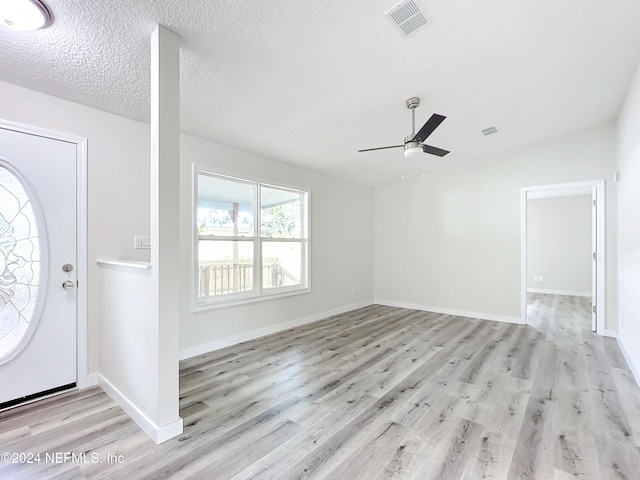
37, 266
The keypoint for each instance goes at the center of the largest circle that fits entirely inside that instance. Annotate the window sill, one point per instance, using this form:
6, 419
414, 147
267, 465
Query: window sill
212, 304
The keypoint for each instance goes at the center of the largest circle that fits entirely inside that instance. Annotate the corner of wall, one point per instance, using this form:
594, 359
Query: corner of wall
635, 369
157, 433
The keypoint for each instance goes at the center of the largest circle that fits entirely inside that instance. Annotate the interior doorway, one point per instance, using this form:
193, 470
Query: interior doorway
591, 192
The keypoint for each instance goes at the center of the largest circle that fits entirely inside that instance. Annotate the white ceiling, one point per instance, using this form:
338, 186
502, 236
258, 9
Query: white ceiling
310, 82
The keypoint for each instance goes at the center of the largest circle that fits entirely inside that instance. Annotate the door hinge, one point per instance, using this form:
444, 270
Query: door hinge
594, 202
594, 310
595, 256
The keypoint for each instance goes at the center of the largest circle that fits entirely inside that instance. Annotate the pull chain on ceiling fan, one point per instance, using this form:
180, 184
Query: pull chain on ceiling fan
413, 145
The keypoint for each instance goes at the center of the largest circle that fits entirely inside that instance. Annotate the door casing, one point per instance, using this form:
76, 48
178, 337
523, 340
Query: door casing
82, 340
597, 188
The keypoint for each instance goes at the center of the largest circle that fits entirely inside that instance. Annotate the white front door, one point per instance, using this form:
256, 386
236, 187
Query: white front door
38, 266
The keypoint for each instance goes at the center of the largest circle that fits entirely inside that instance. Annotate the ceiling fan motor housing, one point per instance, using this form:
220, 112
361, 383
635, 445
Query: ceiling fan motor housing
413, 102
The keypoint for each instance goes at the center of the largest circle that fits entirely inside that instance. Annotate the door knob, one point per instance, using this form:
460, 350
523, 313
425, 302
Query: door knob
68, 285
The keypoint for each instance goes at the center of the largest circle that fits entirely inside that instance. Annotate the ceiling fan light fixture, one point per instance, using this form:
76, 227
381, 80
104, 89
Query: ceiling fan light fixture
24, 15
413, 145
413, 149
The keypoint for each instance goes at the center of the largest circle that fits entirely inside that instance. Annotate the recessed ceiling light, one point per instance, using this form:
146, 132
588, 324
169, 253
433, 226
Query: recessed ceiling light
24, 15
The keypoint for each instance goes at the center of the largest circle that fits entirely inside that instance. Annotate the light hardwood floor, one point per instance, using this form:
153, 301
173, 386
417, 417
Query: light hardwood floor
377, 393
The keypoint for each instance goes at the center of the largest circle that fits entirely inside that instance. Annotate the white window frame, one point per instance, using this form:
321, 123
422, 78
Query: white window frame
259, 293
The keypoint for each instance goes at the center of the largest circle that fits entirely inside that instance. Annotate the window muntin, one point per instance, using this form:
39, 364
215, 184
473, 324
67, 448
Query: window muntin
251, 240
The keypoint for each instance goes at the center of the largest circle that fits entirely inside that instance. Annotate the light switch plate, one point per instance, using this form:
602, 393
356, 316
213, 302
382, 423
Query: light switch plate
142, 241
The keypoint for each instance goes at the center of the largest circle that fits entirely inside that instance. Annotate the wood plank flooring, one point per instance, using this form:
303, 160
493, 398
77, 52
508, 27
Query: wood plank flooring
377, 393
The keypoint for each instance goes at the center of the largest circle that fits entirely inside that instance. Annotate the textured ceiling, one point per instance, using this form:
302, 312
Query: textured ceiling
311, 82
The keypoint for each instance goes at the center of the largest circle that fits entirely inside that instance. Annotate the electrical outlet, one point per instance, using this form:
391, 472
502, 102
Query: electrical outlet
540, 278
452, 296
142, 241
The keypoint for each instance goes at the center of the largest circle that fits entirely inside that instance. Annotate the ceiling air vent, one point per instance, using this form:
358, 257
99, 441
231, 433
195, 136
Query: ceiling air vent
489, 131
406, 18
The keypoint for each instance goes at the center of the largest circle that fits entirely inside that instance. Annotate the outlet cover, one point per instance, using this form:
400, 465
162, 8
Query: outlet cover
142, 241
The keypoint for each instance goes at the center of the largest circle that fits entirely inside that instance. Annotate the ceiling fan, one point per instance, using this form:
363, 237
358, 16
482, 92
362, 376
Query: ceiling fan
413, 145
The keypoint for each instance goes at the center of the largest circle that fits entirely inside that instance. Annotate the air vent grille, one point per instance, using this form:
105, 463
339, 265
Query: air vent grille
489, 131
406, 18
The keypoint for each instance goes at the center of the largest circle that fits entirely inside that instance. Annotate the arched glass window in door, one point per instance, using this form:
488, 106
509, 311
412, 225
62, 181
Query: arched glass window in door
19, 263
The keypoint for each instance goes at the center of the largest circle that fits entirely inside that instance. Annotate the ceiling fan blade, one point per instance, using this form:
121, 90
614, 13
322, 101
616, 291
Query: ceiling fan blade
428, 128
434, 150
380, 148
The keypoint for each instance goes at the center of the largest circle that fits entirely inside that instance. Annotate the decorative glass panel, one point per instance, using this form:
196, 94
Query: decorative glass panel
19, 262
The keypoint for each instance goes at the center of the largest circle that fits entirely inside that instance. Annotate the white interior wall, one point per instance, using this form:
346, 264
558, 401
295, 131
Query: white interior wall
341, 250
629, 226
118, 181
118, 209
458, 229
559, 245
455, 230
133, 387
164, 201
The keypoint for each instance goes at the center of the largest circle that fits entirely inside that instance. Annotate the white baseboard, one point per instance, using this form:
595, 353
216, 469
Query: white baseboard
635, 369
610, 333
451, 311
549, 291
217, 344
157, 433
